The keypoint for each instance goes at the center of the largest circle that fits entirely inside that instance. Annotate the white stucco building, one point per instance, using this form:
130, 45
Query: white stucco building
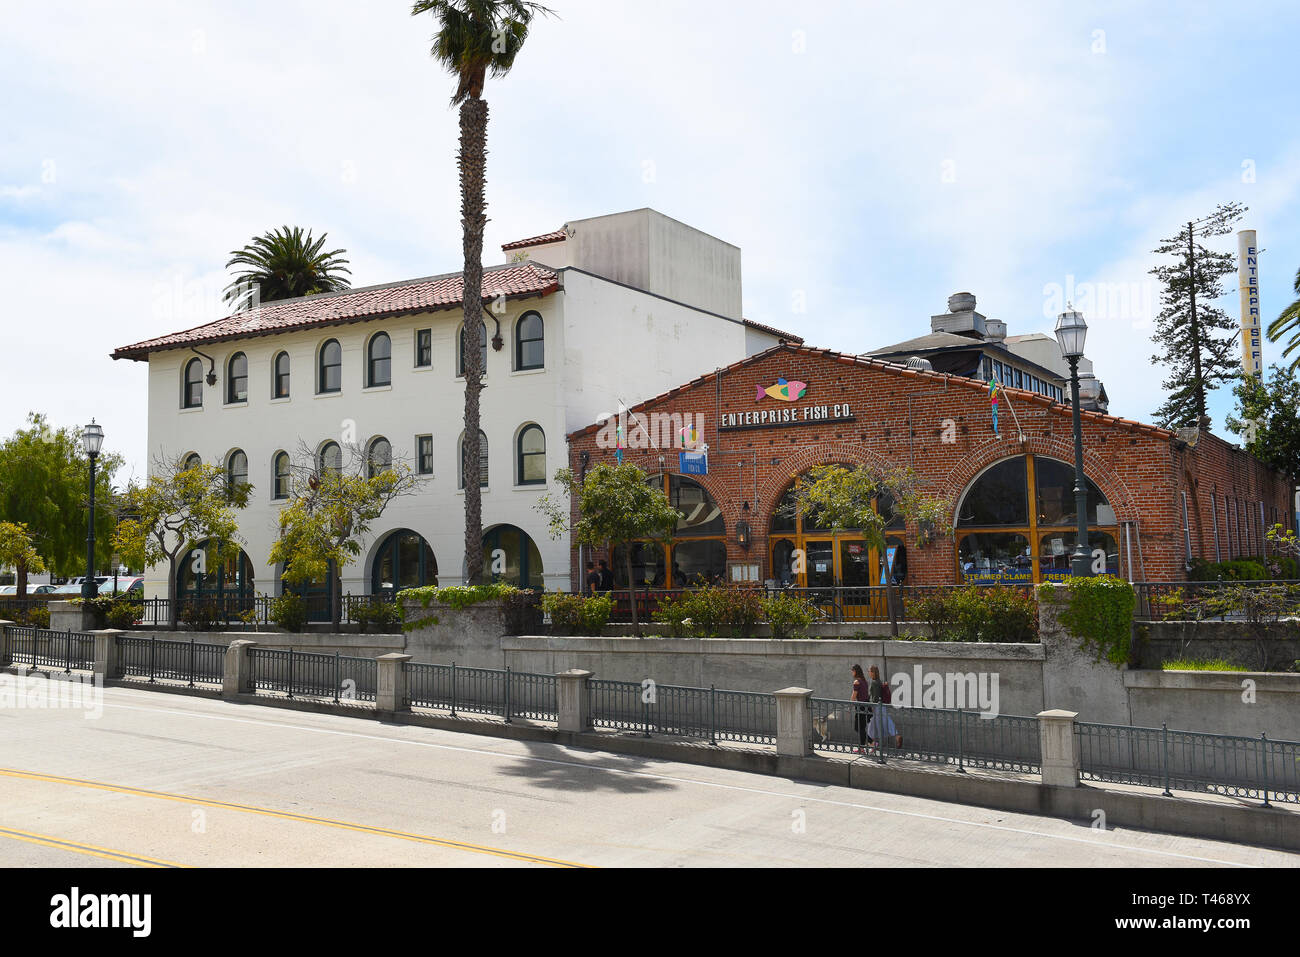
606, 310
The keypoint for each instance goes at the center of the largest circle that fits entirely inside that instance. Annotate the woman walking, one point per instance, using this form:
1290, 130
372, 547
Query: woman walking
861, 714
881, 723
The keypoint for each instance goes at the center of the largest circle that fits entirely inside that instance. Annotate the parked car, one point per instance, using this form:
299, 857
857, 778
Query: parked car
130, 586
74, 587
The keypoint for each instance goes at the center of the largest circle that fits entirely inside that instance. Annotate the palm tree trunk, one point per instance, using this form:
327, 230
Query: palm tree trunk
473, 204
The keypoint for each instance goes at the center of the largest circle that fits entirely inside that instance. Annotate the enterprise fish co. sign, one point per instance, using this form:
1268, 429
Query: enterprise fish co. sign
784, 391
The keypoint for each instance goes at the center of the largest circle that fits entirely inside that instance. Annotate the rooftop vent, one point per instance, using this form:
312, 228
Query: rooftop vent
916, 362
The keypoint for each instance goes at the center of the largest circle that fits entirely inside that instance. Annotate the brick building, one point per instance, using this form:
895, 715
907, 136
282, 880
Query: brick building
1157, 499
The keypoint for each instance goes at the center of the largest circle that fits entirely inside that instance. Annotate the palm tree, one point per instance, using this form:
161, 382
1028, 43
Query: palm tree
284, 264
475, 38
1288, 324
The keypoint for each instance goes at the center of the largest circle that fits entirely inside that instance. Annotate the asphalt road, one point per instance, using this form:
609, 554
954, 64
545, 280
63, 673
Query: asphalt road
171, 780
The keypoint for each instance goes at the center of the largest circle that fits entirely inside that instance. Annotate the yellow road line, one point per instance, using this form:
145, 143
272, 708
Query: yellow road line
291, 816
31, 837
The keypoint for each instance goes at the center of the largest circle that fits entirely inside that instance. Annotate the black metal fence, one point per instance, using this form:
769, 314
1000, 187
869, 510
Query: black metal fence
954, 737
1190, 761
309, 674
194, 662
243, 613
55, 650
706, 713
508, 693
830, 604
1204, 601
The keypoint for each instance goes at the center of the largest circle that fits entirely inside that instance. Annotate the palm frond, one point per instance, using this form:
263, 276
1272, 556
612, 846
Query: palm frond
283, 264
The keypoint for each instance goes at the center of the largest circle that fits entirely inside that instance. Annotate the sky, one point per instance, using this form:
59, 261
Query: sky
869, 159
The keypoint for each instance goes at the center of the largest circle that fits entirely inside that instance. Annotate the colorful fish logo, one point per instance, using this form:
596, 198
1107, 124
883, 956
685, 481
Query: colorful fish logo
786, 391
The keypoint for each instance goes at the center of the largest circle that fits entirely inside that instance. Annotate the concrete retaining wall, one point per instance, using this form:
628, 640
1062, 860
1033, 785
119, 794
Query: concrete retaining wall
1225, 702
1275, 647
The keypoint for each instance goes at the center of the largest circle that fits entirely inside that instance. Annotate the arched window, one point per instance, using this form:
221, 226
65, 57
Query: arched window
379, 361
237, 378
465, 466
697, 554
280, 376
402, 560
330, 378
224, 575
460, 352
236, 470
192, 388
530, 342
833, 558
530, 467
380, 457
521, 559
1017, 522
192, 461
331, 457
280, 475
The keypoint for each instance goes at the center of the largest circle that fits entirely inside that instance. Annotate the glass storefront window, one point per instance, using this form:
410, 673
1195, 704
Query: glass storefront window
1056, 548
989, 558
699, 563
999, 497
648, 565
1055, 482
700, 513
522, 560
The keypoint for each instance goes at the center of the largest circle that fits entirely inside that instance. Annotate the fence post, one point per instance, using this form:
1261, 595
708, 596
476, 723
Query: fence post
1059, 748
794, 722
237, 675
453, 689
106, 658
1164, 756
289, 683
961, 741
6, 654
153, 656
1263, 747
336, 678
506, 695
713, 714
390, 684
572, 700
191, 682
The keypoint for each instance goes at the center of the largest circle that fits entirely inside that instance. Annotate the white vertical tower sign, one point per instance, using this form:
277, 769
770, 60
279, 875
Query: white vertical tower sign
1248, 286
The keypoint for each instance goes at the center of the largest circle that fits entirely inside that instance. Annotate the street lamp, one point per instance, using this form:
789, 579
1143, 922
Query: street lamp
1071, 331
92, 437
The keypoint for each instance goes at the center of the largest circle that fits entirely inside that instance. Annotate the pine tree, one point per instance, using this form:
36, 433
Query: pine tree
1190, 328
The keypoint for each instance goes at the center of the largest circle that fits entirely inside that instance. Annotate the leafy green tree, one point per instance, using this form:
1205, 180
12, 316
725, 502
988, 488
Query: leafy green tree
615, 506
1268, 418
329, 514
43, 485
283, 264
1288, 324
18, 552
174, 512
1190, 329
867, 500
475, 38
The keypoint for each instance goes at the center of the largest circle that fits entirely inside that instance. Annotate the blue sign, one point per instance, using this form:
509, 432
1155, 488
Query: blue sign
890, 552
693, 463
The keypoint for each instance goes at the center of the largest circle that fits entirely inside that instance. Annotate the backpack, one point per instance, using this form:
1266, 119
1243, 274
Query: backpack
885, 696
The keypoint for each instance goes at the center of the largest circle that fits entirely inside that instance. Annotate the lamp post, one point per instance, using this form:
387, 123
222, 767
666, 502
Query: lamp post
1071, 331
92, 437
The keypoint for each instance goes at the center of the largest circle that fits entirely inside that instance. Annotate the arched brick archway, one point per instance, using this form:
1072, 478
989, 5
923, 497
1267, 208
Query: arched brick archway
806, 457
1101, 473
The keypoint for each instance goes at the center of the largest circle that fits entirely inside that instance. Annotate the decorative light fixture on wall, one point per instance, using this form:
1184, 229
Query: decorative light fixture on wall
742, 534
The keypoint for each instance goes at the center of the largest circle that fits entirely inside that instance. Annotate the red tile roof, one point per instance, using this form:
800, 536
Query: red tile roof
773, 331
353, 305
541, 240
895, 369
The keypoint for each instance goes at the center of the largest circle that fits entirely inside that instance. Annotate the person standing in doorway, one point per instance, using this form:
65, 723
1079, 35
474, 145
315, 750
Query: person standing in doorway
593, 579
606, 577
